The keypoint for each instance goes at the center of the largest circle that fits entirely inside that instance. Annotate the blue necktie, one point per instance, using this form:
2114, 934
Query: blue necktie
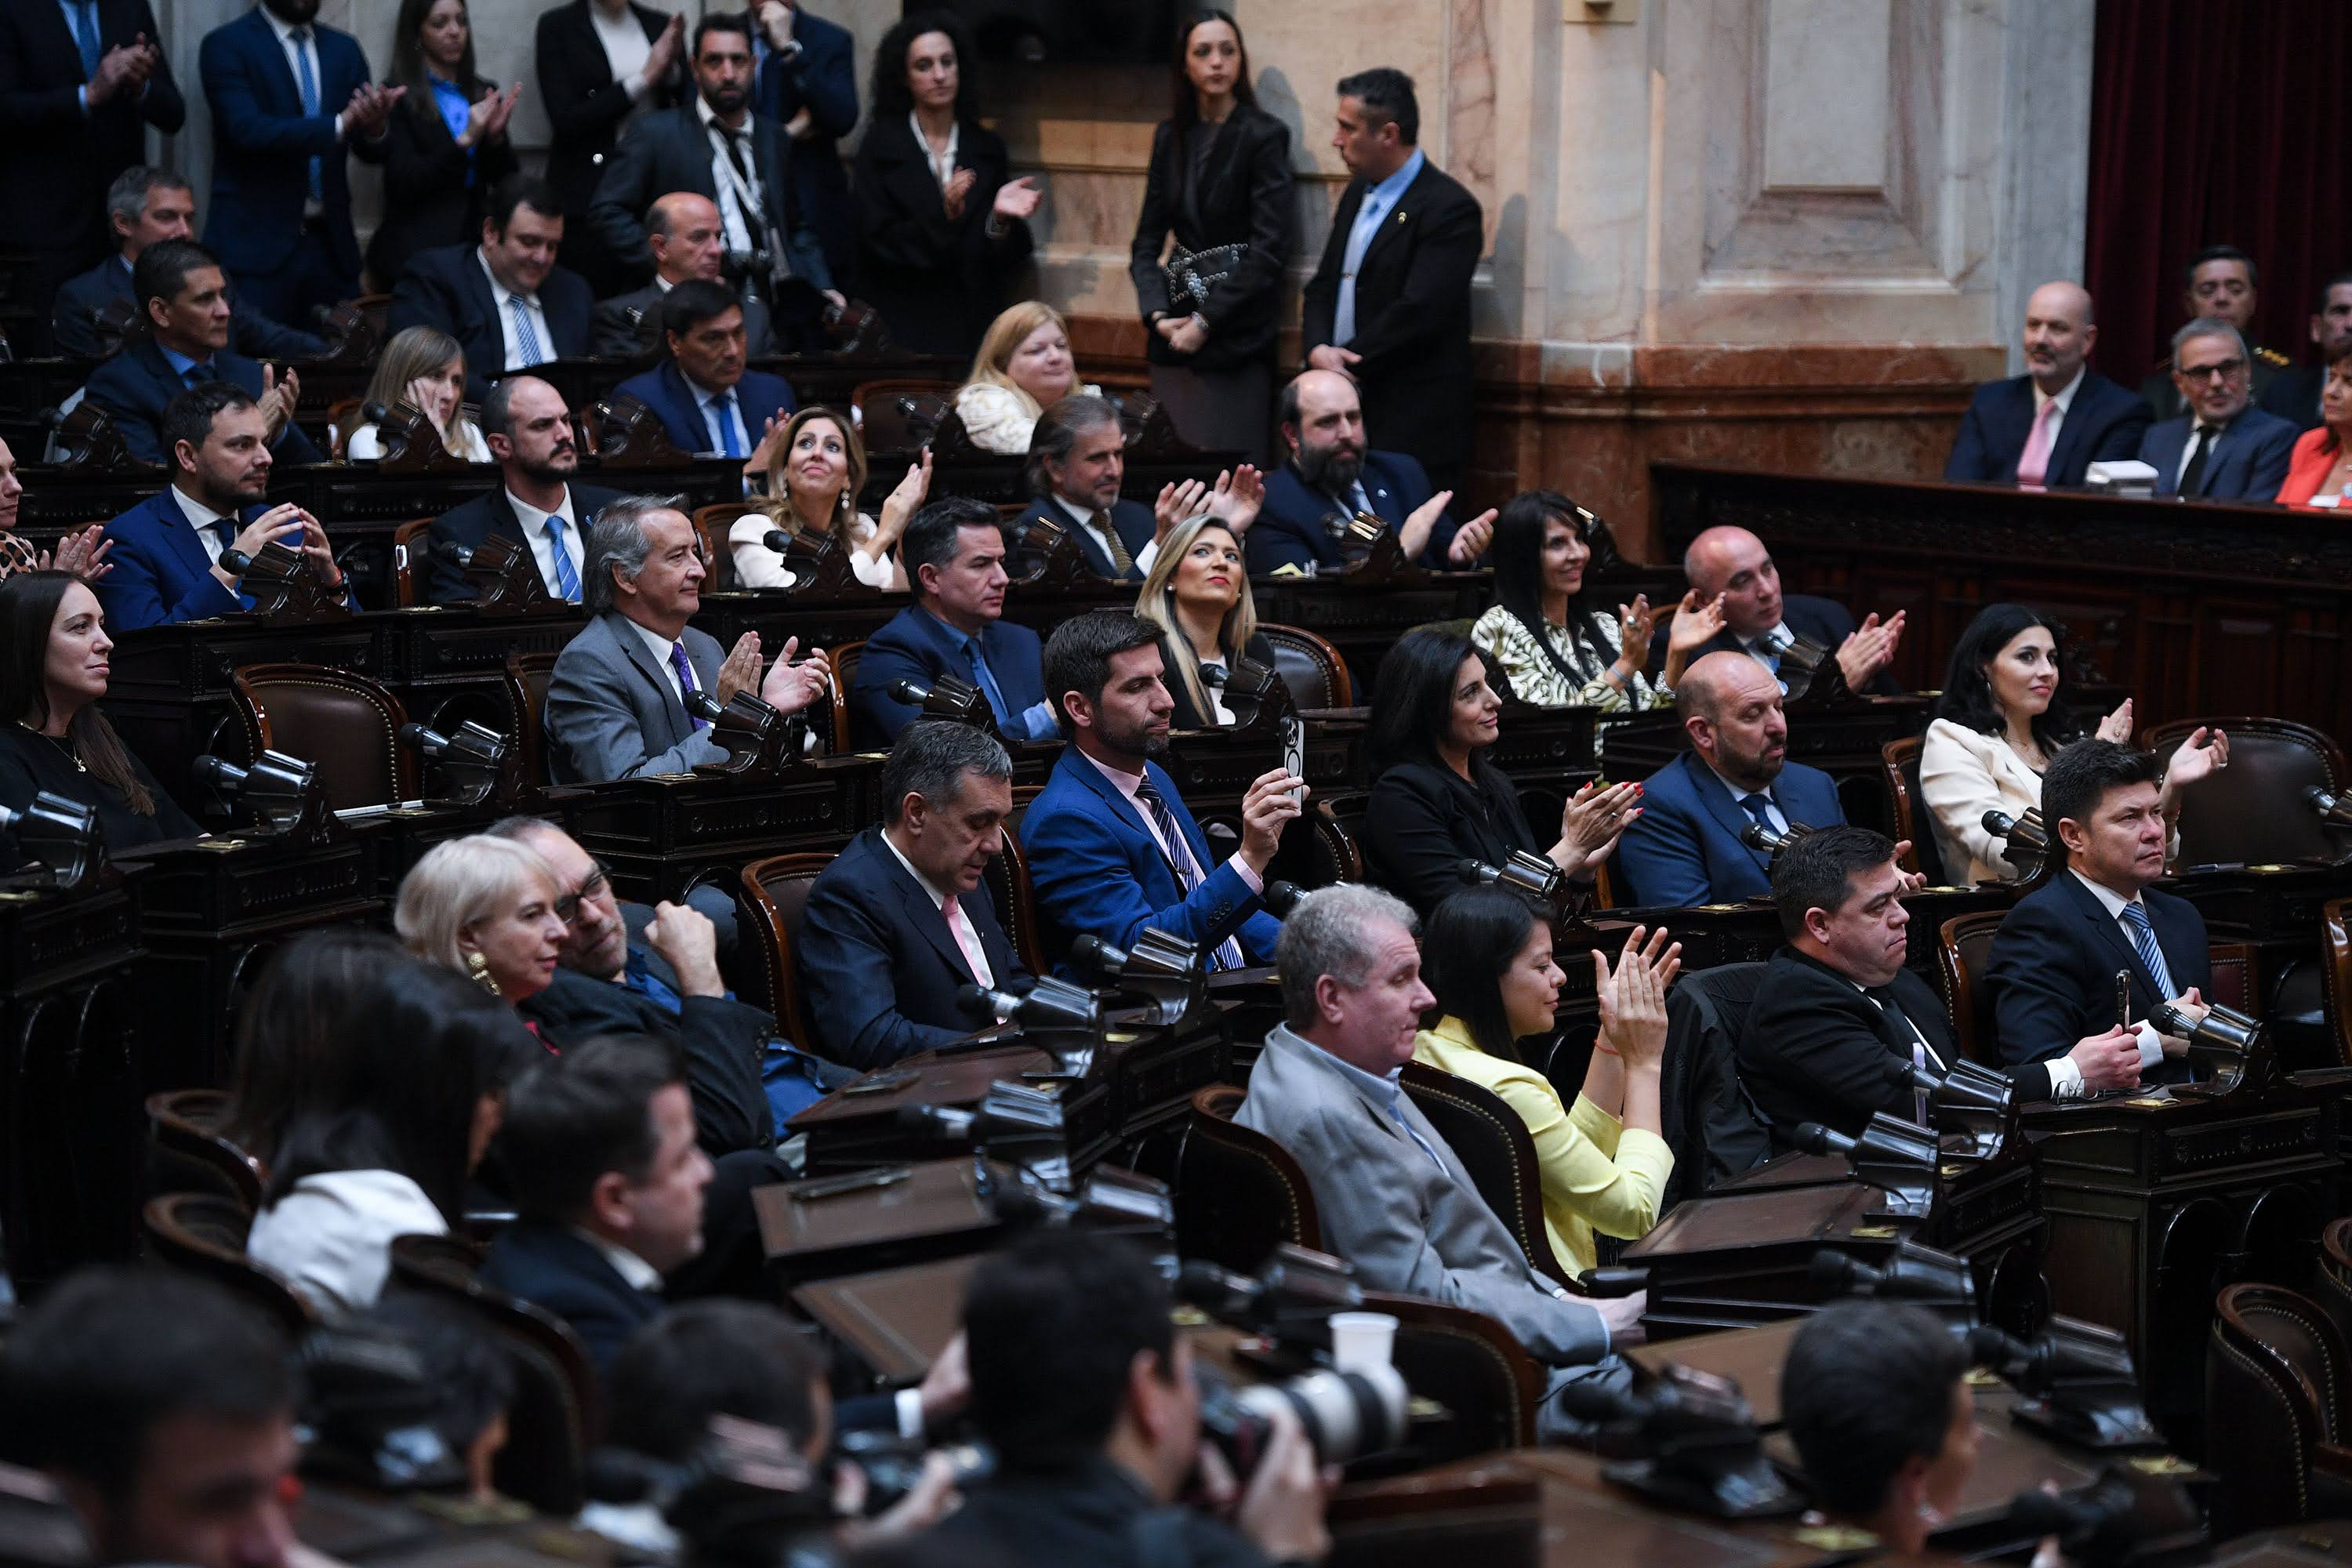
527, 347
309, 79
1359, 239
85, 38
722, 422
1759, 805
567, 577
1228, 952
985, 679
685, 667
197, 374
2143, 937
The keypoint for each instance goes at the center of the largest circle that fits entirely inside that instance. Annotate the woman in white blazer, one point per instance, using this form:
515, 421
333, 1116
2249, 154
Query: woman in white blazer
1998, 724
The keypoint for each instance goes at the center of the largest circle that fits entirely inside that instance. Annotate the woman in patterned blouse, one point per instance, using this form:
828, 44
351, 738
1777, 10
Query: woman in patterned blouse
80, 550
1557, 647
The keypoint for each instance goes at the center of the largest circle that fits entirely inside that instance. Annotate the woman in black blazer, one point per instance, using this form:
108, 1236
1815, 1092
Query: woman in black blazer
1198, 592
587, 101
444, 146
935, 253
1220, 176
1436, 800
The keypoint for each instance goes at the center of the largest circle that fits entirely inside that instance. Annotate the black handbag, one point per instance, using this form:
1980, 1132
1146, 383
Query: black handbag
1193, 273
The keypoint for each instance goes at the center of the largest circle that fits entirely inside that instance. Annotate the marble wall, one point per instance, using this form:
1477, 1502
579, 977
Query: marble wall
1777, 232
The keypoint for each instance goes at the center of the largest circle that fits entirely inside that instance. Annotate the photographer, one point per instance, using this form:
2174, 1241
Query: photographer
1875, 1396
1082, 1386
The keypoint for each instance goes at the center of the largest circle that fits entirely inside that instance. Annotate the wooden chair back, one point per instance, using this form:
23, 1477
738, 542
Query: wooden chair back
1495, 1146
774, 894
1312, 668
204, 1234
188, 1153
345, 724
1240, 1193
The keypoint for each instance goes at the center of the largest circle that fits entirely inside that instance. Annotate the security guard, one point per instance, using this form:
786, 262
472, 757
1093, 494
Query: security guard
2220, 284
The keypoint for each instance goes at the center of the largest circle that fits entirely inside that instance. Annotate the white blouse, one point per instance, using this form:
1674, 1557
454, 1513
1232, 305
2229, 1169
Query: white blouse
366, 445
331, 1237
757, 566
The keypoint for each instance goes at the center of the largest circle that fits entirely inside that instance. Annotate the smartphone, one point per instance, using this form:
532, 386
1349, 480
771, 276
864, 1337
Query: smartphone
1293, 754
2123, 998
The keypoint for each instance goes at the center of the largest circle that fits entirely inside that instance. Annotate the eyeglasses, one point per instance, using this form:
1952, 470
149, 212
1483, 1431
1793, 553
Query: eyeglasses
2225, 370
567, 908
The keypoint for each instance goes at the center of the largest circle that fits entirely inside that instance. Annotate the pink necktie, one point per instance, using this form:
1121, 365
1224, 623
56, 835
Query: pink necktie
2035, 464
967, 940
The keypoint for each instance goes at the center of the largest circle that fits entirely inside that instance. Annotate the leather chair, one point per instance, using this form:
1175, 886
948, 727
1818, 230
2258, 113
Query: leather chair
346, 723
1899, 762
406, 551
1469, 1363
1496, 1148
1310, 666
1316, 851
710, 526
1240, 1194
556, 1414
1016, 902
774, 896
843, 660
1963, 949
2277, 1406
204, 1234
527, 677
2332, 1276
343, 418
2252, 813
187, 1153
1714, 1129
900, 415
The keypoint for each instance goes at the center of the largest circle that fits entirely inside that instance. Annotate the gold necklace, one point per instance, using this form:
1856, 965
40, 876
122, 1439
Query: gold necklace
63, 742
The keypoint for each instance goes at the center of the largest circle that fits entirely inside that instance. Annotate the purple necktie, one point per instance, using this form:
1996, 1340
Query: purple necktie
685, 667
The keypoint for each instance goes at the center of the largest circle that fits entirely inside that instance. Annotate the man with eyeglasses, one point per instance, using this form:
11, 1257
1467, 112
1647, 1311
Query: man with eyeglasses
2218, 285
2223, 448
662, 979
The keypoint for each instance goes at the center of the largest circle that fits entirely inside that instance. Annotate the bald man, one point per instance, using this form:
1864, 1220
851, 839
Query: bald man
1332, 475
689, 240
2043, 429
1684, 849
1758, 619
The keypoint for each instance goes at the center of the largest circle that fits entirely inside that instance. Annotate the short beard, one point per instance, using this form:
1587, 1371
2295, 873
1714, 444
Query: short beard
1139, 742
1328, 468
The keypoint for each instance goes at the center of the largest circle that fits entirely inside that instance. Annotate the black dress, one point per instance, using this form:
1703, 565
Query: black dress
31, 762
585, 110
1423, 820
937, 284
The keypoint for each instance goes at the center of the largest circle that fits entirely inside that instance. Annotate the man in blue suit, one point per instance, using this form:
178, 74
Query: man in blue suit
1684, 849
2223, 449
166, 556
901, 921
808, 85
1077, 460
1331, 475
2055, 961
1111, 847
505, 300
184, 297
707, 403
954, 555
288, 98
2043, 430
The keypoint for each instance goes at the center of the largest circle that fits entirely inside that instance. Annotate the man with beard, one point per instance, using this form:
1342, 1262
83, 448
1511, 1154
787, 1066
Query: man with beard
954, 555
1111, 847
715, 147
2043, 429
1078, 459
1331, 475
1684, 849
530, 432
2294, 394
505, 300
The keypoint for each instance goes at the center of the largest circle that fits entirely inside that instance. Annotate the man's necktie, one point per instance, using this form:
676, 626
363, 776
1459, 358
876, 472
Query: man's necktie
1912, 1042
224, 530
685, 667
85, 38
1759, 806
2193, 472
567, 576
976, 960
2143, 937
309, 79
1118, 546
985, 679
527, 347
2033, 468
197, 374
1228, 952
722, 423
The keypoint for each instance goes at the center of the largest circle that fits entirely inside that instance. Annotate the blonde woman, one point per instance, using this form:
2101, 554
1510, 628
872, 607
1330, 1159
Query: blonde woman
1024, 365
816, 474
1199, 594
487, 909
424, 368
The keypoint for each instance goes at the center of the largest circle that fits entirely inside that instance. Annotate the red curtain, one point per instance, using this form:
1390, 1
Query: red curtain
2216, 122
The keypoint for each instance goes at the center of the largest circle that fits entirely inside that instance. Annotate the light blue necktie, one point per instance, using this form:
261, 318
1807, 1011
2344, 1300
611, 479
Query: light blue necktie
526, 337
2144, 940
310, 83
85, 38
567, 577
722, 423
1360, 240
985, 679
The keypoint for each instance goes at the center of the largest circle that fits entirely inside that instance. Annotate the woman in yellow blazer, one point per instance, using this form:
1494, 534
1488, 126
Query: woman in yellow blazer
1486, 957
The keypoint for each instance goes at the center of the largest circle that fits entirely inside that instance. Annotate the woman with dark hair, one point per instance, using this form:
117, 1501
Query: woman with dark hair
939, 223
1997, 725
1486, 957
2319, 469
53, 670
1220, 188
1558, 645
1436, 800
446, 145
388, 1111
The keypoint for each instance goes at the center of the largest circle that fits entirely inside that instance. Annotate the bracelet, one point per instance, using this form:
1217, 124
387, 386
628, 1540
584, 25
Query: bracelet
1607, 1050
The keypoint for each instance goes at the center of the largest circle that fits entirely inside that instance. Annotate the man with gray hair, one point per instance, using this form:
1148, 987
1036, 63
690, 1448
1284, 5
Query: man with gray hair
2222, 447
617, 702
1395, 1198
902, 919
1077, 459
528, 429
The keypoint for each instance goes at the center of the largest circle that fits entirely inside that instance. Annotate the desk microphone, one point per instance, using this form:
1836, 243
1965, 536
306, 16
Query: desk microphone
777, 540
912, 692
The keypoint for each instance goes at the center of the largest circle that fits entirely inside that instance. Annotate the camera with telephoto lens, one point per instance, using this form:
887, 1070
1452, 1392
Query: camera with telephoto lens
1346, 1414
892, 1465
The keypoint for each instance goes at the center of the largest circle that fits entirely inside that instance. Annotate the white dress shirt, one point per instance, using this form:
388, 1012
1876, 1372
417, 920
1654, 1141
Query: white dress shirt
499, 295
533, 523
1084, 517
660, 647
1177, 854
742, 202
2151, 1043
942, 164
201, 518
967, 937
639, 1274
627, 49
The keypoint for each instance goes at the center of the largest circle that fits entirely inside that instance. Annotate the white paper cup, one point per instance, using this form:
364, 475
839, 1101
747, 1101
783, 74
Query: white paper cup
1361, 1340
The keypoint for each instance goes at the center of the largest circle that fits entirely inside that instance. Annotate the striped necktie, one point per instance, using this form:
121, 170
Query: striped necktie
567, 576
526, 336
1228, 953
2143, 935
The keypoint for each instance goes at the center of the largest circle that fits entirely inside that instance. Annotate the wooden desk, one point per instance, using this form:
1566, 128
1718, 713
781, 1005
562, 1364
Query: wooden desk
936, 1212
661, 835
897, 1320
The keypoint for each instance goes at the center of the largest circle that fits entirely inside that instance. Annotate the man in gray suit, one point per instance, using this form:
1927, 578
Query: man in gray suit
616, 700
1394, 1199
689, 242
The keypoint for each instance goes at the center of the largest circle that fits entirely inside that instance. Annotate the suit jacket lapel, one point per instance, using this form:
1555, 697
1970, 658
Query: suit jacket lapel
1725, 810
2112, 941
281, 69
181, 534
621, 629
477, 284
